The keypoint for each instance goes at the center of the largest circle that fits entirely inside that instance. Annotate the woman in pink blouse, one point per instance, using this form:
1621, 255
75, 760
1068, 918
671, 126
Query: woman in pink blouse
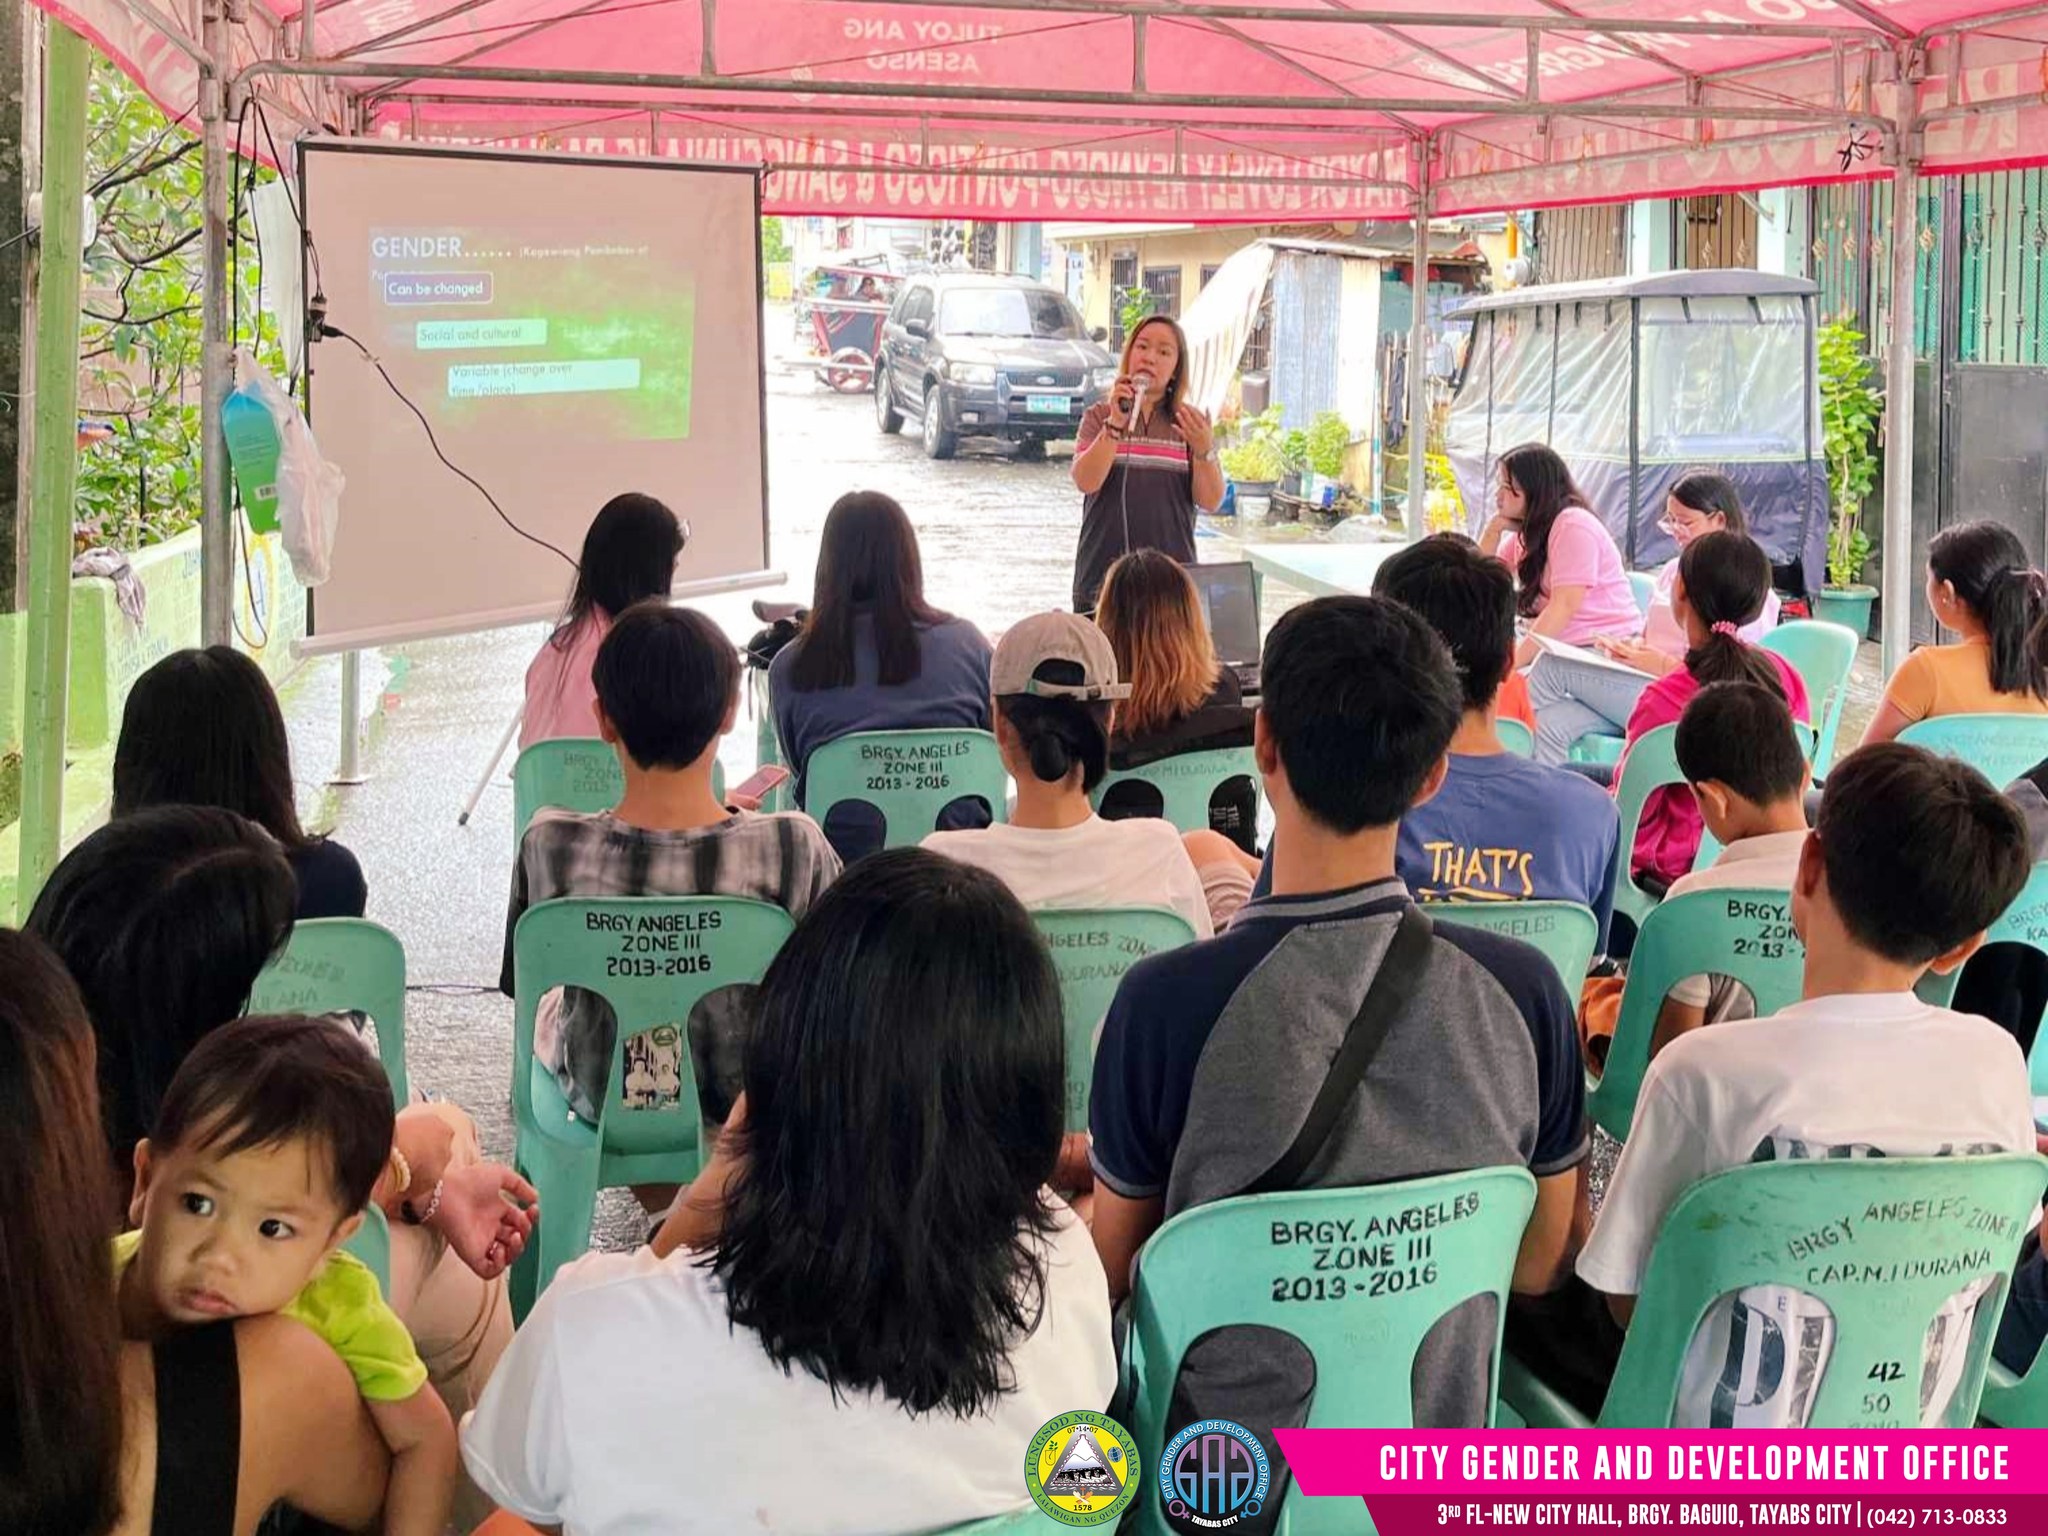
1573, 585
629, 553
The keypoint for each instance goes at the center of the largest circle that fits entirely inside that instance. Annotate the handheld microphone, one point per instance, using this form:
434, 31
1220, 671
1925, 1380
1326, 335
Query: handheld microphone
1142, 383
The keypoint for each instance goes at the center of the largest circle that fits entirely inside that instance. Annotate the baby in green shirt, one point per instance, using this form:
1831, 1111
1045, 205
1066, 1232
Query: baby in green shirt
270, 1139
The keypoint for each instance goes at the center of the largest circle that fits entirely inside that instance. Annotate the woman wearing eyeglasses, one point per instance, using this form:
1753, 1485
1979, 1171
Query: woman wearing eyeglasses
1573, 699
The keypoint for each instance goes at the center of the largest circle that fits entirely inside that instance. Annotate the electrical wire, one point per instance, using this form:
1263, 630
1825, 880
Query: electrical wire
435, 444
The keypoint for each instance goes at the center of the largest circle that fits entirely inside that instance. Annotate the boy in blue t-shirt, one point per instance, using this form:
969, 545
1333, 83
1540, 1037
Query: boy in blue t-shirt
1502, 828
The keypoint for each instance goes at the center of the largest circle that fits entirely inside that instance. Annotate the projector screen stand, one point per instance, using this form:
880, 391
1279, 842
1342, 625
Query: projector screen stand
497, 757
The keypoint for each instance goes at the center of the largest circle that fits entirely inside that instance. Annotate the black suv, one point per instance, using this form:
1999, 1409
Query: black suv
974, 354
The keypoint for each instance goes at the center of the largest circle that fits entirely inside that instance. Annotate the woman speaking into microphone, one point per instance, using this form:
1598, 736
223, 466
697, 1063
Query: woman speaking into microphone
1144, 460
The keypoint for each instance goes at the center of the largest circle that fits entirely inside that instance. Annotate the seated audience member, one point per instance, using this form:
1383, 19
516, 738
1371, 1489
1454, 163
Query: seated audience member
629, 554
1980, 585
1738, 750
667, 690
1571, 583
1181, 699
1723, 579
1501, 827
1574, 698
1212, 1054
796, 1295
204, 728
198, 1435
874, 656
2008, 982
1911, 857
1055, 681
164, 919
271, 1138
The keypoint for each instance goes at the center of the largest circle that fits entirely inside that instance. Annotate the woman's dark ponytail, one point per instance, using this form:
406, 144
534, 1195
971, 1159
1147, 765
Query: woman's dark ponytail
2012, 615
1059, 732
1726, 578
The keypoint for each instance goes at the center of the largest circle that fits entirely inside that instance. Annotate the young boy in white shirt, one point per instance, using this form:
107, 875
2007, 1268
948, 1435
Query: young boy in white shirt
1911, 859
1737, 748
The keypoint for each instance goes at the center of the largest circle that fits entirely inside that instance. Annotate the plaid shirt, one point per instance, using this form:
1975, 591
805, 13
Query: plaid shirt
782, 858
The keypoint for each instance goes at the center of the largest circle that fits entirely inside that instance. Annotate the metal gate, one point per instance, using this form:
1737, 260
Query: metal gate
1980, 446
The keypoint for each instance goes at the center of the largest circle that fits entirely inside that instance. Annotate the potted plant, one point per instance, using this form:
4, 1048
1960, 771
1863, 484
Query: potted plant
1849, 411
1293, 461
1252, 457
1329, 439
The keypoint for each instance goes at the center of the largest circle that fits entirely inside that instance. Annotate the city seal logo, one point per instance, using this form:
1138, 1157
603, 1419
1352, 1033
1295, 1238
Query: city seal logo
1082, 1469
1213, 1475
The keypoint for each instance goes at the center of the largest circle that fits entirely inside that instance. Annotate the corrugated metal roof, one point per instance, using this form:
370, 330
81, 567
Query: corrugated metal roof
1719, 282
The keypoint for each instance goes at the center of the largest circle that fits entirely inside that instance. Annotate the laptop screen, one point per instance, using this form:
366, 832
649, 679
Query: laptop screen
1230, 607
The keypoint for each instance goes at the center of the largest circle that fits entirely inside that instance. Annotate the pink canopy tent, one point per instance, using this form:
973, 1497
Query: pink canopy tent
1140, 109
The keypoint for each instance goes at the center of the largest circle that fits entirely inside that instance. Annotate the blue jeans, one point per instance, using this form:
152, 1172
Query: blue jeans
1572, 699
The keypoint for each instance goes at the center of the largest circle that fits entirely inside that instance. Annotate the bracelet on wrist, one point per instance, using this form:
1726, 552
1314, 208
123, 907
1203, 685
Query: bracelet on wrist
421, 1218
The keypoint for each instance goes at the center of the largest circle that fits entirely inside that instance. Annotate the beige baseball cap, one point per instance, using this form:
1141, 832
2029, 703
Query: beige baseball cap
1056, 637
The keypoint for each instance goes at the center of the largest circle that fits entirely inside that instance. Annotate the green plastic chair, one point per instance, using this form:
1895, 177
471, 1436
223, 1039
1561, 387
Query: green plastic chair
573, 773
1218, 1265
372, 1244
1092, 947
1738, 932
1185, 782
2024, 922
2015, 1402
2001, 747
1643, 584
1739, 1228
909, 776
339, 965
614, 947
1566, 933
1516, 737
1823, 655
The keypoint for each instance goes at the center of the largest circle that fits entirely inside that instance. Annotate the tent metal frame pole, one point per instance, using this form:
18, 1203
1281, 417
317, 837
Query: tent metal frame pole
216, 533
1418, 350
1291, 105
53, 466
1899, 565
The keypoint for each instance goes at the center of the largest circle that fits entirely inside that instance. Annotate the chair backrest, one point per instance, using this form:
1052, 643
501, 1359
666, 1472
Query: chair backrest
1361, 1305
2024, 922
372, 1245
343, 965
1566, 933
1516, 737
1186, 781
1823, 655
909, 776
767, 745
1643, 585
1652, 763
572, 773
2001, 747
1739, 932
1092, 947
652, 958
1903, 1235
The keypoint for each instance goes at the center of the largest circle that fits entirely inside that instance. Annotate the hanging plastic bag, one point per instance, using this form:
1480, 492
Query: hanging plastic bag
306, 486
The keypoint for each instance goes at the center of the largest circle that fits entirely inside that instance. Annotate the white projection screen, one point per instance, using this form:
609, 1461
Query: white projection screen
571, 329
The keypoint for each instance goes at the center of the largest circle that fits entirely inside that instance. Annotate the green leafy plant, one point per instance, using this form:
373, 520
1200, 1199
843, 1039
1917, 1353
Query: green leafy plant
1252, 456
1850, 410
139, 336
1133, 308
1294, 452
1329, 438
774, 243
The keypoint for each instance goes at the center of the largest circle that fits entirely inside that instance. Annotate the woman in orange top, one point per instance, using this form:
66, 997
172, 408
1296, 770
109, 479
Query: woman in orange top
1979, 585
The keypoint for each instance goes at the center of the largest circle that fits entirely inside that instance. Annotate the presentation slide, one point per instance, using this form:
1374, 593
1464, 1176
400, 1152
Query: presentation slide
571, 329
577, 330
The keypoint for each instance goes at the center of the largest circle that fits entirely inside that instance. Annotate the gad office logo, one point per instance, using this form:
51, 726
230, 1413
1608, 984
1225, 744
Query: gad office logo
1082, 1468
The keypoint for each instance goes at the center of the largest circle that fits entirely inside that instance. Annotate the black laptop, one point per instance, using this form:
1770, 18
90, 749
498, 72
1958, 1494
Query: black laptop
1230, 607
